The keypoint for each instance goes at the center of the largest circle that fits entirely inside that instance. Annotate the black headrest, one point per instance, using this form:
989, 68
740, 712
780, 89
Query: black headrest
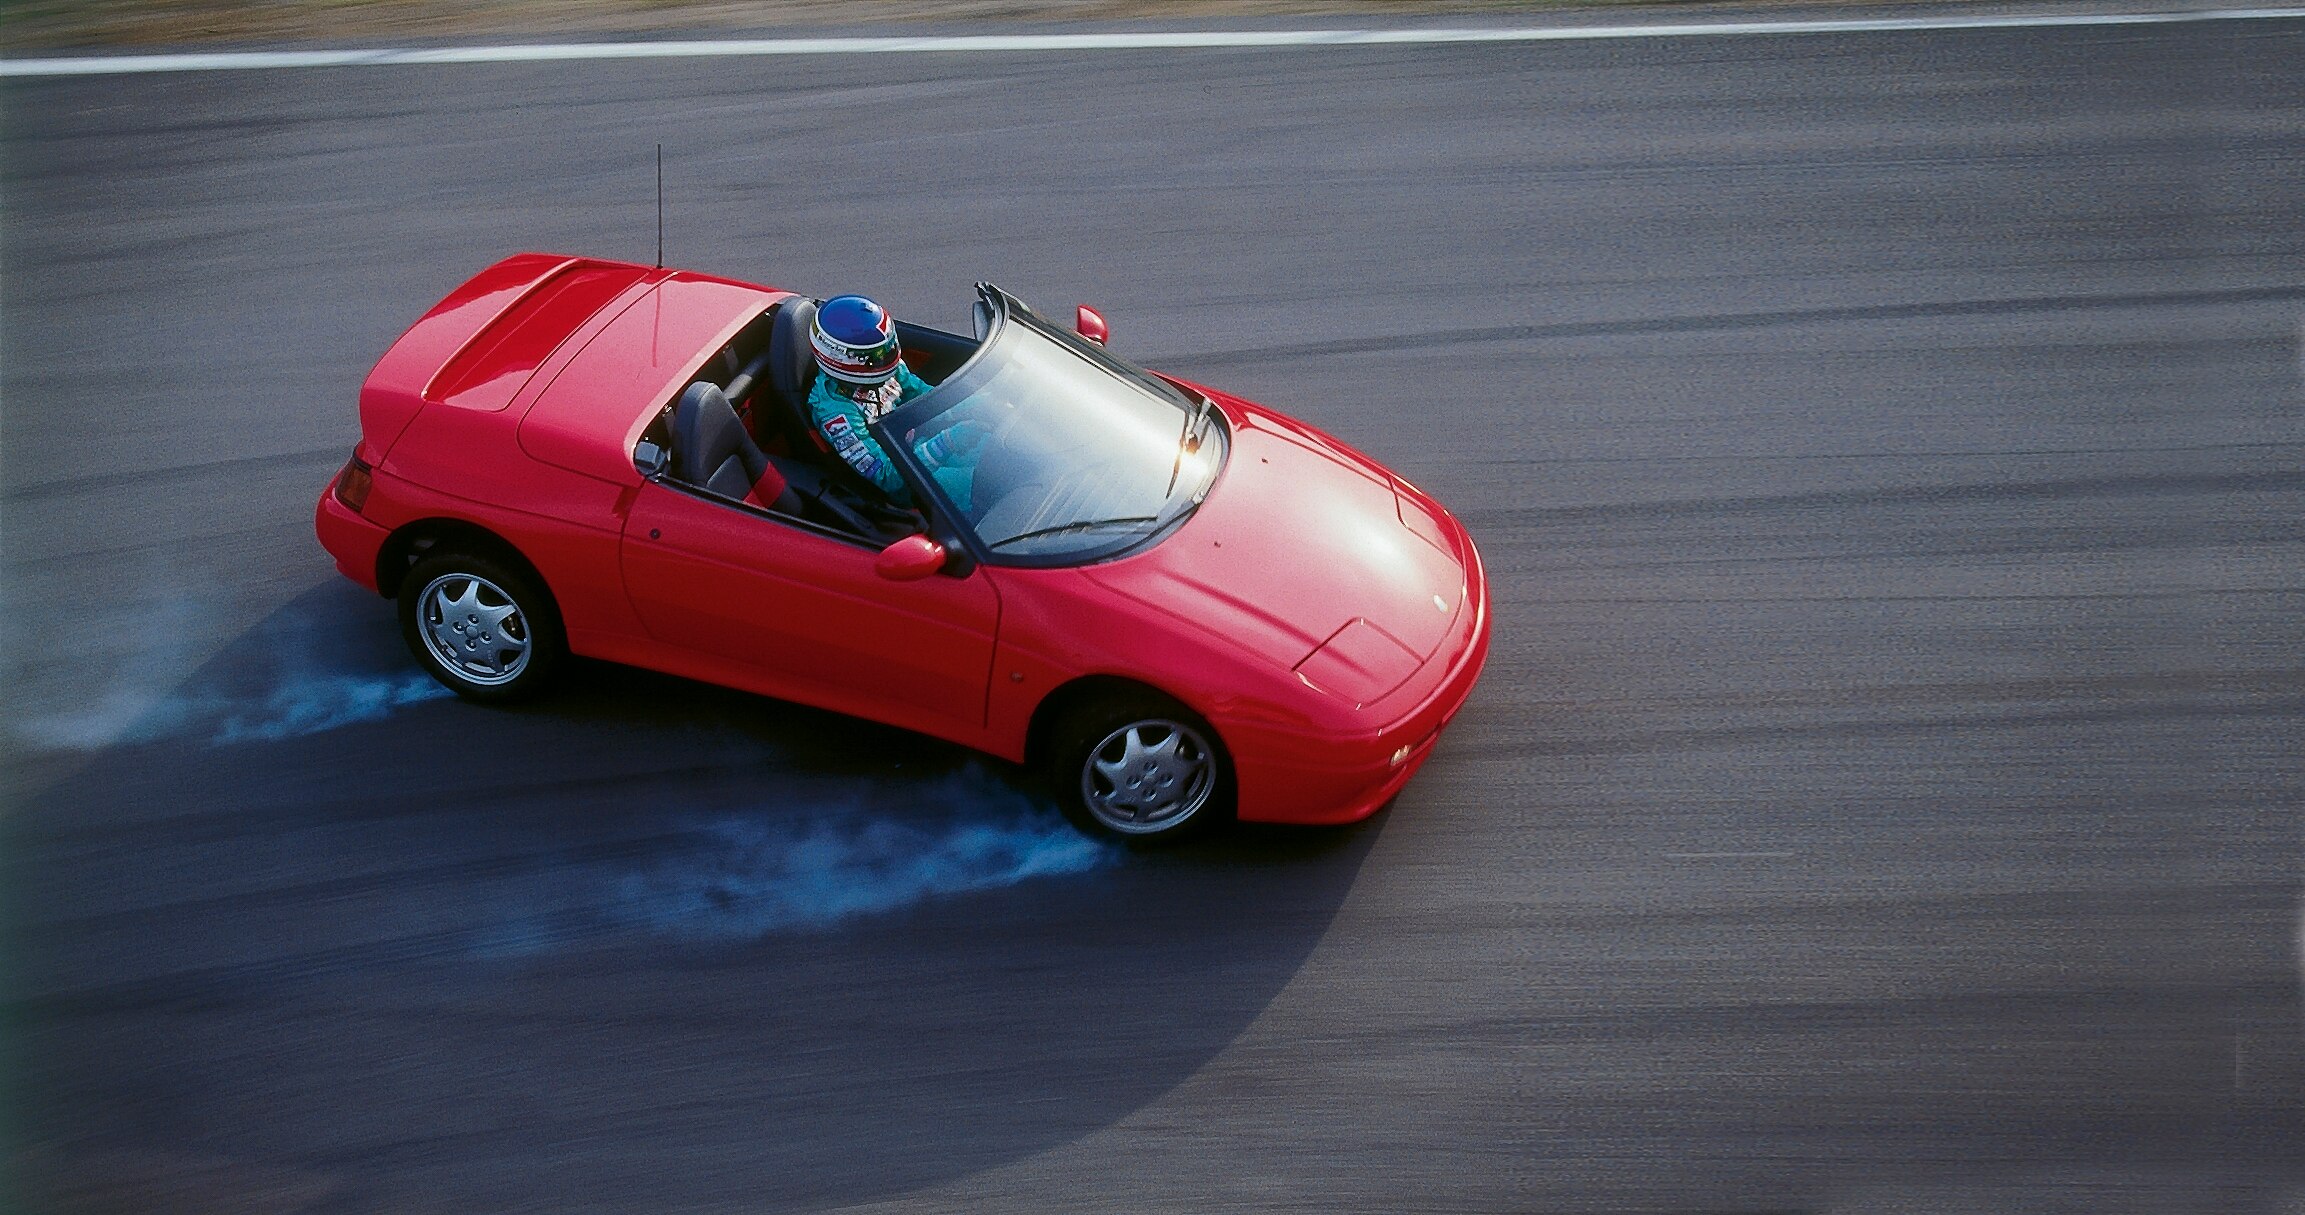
791, 357
705, 433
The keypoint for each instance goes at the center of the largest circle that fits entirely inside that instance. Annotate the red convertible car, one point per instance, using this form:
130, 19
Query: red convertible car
1179, 605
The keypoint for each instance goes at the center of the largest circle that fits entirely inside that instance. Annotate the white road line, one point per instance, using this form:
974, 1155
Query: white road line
235, 61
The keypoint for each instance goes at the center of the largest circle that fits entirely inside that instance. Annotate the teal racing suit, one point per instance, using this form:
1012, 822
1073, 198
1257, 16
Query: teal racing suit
839, 411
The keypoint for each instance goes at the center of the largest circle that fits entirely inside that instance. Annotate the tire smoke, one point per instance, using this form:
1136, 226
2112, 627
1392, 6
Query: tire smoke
302, 704
776, 871
311, 703
311, 674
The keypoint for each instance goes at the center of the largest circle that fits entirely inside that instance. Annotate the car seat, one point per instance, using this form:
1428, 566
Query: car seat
783, 408
711, 450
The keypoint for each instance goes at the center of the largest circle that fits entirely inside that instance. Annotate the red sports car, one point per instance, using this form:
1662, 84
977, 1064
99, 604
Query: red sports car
1179, 605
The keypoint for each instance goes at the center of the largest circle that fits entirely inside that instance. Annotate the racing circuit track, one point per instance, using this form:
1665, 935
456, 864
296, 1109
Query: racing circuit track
1883, 797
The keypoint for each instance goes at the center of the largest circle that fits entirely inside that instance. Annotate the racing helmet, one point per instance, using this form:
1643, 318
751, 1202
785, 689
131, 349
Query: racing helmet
854, 340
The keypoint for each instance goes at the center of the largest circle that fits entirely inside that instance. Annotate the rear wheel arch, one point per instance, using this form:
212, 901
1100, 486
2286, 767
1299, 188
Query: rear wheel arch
414, 542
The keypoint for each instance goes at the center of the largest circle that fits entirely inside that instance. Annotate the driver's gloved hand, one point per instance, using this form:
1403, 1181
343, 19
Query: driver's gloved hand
959, 441
969, 436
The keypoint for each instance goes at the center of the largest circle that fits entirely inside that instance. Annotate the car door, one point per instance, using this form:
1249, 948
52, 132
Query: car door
807, 616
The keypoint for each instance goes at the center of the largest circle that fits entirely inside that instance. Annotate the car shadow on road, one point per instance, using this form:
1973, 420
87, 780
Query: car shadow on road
644, 945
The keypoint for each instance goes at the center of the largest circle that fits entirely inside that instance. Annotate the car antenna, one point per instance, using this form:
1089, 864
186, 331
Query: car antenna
660, 206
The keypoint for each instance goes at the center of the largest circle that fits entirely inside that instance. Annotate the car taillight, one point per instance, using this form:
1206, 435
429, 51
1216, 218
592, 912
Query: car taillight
352, 484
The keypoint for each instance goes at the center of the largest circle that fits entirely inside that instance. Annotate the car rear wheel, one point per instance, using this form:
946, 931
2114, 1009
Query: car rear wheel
1141, 768
481, 625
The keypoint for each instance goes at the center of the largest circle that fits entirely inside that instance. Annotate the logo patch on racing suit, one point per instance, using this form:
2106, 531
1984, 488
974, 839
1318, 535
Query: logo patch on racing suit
840, 413
852, 448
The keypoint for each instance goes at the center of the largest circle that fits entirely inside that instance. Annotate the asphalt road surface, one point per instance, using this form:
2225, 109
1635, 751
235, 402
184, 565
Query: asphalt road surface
1888, 450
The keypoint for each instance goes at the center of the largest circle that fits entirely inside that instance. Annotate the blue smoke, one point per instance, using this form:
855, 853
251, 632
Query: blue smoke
775, 872
309, 704
301, 704
304, 670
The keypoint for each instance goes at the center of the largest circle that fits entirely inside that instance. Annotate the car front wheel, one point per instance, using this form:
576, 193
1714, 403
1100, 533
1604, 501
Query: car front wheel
481, 626
1141, 768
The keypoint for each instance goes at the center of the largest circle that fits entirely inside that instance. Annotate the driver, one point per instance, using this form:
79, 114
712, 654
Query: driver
864, 377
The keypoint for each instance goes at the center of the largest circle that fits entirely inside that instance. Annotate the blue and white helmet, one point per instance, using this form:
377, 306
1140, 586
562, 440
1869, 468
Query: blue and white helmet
854, 340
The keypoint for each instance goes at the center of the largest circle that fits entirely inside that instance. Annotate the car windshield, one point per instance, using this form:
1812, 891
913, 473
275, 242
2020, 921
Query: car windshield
1055, 452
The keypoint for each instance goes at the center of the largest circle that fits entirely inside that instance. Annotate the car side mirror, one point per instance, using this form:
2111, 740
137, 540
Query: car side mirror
909, 560
1090, 323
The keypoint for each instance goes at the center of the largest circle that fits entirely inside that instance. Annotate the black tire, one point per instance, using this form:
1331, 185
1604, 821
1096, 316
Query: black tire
509, 643
1177, 781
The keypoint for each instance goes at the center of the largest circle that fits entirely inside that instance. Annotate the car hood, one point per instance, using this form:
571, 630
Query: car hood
1310, 557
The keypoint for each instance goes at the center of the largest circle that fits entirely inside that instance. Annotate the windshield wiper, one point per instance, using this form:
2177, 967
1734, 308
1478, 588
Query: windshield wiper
1083, 525
1188, 439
